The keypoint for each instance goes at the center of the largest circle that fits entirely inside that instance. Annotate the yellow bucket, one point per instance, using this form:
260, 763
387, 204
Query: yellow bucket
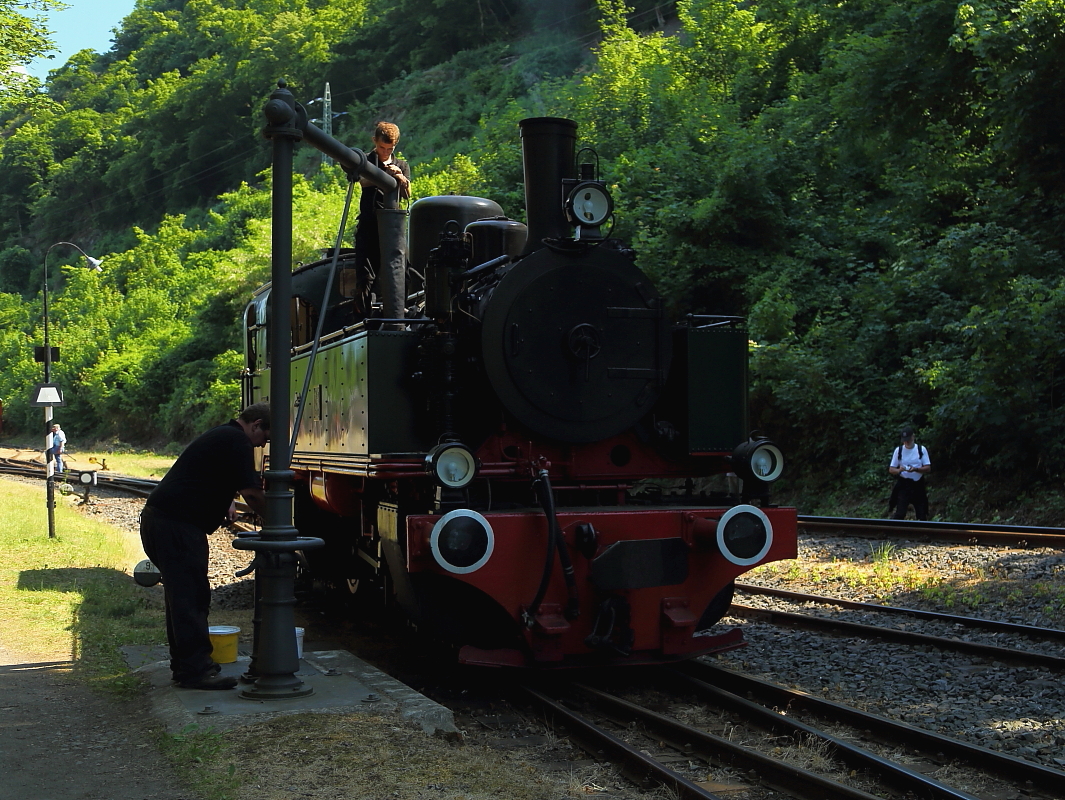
223, 643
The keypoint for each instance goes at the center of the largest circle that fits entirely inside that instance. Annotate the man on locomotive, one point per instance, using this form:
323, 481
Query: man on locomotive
367, 238
191, 501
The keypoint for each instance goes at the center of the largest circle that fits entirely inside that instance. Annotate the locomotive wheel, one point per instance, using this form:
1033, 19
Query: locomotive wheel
718, 607
334, 571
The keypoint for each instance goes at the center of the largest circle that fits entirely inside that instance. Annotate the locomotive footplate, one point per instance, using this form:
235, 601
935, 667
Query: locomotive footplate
509, 657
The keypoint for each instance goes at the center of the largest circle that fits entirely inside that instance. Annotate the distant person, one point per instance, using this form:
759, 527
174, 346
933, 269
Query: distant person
909, 465
59, 446
367, 239
193, 499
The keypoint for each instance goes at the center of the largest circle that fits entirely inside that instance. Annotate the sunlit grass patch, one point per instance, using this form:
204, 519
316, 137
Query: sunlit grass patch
136, 464
888, 578
882, 576
70, 597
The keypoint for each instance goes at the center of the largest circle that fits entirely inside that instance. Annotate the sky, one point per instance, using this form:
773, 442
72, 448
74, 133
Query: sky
86, 23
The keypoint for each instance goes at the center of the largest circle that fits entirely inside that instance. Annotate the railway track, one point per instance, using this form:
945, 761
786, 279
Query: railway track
140, 487
749, 729
1032, 631
960, 532
1007, 655
770, 696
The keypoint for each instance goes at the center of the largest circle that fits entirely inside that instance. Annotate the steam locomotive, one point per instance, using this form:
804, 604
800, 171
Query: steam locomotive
514, 445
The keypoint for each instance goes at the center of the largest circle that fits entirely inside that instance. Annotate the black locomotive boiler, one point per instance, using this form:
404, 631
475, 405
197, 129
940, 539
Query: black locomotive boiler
495, 454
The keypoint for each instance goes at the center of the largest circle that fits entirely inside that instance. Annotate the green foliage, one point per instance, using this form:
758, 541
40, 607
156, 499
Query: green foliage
151, 347
460, 176
16, 264
1019, 49
878, 187
23, 38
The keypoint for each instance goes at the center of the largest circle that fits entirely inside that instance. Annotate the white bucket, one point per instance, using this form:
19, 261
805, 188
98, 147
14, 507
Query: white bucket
299, 642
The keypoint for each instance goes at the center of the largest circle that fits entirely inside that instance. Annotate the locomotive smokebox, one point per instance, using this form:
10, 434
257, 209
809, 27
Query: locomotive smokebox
548, 145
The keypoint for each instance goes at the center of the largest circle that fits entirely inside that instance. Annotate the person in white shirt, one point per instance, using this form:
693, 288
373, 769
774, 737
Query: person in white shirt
59, 446
909, 465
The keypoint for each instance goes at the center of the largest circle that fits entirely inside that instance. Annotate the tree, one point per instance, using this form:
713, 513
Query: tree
24, 38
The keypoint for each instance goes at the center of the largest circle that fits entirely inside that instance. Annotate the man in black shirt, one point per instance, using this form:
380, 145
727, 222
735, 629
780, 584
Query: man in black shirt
192, 500
367, 238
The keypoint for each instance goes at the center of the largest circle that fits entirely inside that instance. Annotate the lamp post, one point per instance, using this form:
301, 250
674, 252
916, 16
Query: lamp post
49, 463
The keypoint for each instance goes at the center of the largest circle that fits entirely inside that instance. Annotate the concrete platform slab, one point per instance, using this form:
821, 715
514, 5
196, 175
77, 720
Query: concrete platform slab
342, 683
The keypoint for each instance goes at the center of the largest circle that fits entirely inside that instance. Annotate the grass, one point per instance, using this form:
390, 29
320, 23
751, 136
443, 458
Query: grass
881, 576
203, 758
349, 755
136, 464
71, 597
886, 577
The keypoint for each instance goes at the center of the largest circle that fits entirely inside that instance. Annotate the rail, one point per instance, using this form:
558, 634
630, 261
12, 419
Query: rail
774, 695
963, 532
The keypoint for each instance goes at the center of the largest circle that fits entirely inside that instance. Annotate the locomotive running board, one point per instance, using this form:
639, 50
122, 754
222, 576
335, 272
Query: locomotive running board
510, 657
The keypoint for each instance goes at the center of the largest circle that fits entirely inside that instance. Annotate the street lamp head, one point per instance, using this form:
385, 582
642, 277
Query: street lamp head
92, 262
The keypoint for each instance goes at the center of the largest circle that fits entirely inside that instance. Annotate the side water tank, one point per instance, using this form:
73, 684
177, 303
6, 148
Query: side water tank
429, 215
494, 237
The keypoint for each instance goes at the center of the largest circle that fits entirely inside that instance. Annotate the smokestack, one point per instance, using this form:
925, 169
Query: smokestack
547, 145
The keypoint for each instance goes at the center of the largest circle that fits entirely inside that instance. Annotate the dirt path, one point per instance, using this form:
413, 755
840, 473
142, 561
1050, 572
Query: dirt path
60, 741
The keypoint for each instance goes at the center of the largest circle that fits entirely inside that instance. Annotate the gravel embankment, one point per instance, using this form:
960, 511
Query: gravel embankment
1015, 710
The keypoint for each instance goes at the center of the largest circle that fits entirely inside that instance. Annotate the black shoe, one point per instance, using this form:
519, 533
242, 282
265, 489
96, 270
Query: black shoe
207, 681
214, 669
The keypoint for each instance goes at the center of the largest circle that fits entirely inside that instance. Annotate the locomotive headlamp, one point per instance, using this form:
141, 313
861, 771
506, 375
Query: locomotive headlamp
758, 460
589, 204
451, 464
462, 541
744, 535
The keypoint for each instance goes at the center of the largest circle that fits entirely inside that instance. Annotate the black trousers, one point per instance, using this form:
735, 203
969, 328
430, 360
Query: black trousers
911, 493
180, 552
